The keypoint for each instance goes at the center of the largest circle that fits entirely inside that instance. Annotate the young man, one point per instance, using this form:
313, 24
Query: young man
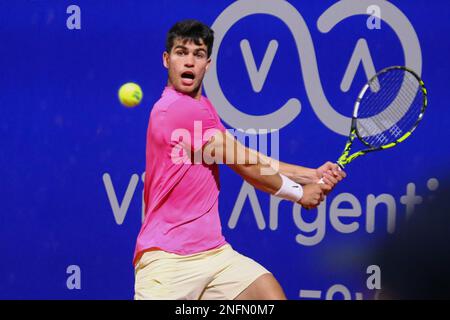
180, 251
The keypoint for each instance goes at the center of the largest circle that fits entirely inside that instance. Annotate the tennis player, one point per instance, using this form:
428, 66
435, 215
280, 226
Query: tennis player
180, 251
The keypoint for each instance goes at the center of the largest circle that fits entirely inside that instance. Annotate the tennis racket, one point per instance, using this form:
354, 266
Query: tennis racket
387, 111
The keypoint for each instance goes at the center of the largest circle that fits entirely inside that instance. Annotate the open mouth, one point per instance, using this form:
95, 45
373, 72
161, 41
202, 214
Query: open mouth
188, 75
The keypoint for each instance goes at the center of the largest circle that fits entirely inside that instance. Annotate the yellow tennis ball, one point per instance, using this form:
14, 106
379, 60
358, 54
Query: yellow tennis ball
130, 94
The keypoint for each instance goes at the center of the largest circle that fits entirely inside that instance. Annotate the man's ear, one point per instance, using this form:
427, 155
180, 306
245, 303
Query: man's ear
166, 59
207, 64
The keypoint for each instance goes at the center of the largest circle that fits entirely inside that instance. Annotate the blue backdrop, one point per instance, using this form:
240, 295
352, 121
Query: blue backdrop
72, 157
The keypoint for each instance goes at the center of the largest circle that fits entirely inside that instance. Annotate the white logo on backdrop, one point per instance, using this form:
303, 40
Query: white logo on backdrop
284, 11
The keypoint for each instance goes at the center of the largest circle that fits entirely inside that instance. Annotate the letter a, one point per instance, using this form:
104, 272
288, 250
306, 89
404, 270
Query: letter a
74, 20
374, 280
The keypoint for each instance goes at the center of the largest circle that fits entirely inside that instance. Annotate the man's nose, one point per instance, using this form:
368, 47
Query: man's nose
189, 62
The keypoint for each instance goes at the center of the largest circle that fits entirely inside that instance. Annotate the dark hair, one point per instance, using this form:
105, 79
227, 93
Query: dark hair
190, 30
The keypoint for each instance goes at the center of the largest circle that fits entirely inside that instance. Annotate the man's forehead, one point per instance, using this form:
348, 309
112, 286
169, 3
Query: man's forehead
189, 43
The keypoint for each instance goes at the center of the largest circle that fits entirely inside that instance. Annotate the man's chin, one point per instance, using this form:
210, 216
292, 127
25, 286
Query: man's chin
189, 90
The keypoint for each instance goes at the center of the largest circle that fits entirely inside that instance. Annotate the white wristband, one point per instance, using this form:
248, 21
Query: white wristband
289, 190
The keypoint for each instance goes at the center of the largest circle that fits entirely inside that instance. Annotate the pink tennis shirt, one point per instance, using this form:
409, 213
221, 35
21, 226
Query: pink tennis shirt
181, 197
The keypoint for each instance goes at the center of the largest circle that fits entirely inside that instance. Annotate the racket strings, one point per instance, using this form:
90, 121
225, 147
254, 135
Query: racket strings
372, 104
403, 99
381, 100
389, 108
386, 129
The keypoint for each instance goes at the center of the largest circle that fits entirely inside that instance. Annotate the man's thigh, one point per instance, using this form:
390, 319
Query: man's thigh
236, 273
266, 287
161, 275
169, 276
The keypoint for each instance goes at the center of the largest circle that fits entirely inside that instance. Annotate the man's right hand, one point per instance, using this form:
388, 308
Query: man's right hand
313, 195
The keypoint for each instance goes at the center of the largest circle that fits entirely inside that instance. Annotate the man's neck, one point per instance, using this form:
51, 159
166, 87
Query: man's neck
197, 94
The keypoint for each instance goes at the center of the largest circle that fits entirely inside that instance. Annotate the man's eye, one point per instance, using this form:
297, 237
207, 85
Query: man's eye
179, 53
200, 55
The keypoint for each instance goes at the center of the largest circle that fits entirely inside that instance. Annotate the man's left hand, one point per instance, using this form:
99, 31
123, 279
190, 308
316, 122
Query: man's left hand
331, 174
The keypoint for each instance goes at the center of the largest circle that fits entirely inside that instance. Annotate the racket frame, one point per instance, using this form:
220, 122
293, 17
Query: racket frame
345, 159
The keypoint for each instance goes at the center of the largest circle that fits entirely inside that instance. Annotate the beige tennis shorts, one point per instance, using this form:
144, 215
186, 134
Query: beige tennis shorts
218, 274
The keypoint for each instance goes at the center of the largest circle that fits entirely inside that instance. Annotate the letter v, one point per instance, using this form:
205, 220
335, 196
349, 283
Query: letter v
120, 211
258, 77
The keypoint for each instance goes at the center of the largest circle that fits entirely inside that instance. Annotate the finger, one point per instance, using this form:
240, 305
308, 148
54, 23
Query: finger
340, 172
335, 167
332, 180
326, 192
328, 183
336, 172
329, 174
339, 175
330, 164
326, 166
325, 187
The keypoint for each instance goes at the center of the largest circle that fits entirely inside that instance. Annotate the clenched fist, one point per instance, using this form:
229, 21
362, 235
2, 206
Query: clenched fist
313, 195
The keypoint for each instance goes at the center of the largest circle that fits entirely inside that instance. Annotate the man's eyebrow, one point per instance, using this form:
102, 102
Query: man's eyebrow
185, 48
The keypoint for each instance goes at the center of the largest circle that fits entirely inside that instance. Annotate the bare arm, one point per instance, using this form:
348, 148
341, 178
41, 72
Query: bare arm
299, 174
248, 163
259, 161
259, 170
329, 172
